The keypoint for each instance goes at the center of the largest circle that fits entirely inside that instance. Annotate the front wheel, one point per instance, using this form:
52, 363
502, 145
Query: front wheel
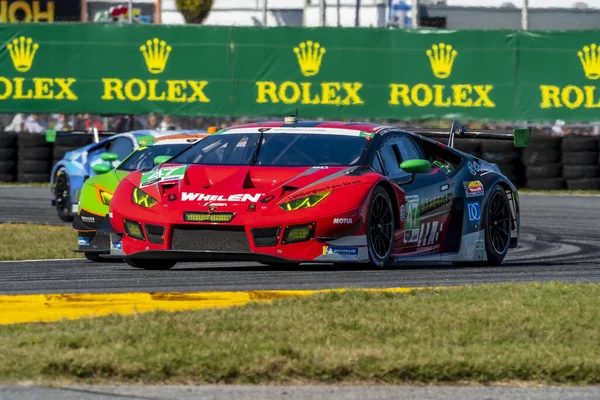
152, 264
62, 196
497, 225
380, 227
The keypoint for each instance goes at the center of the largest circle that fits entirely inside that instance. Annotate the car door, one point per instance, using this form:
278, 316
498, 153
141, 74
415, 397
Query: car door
428, 196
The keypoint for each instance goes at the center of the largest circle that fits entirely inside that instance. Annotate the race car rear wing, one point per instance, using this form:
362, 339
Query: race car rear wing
520, 137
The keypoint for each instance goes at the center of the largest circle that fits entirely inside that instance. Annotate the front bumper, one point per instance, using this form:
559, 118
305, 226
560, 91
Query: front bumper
93, 242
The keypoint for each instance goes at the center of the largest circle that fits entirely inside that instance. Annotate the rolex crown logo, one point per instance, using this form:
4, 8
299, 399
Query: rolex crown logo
309, 56
441, 58
590, 60
156, 53
22, 51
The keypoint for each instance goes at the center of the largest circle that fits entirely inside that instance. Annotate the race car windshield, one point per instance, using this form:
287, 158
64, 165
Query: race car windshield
277, 149
144, 159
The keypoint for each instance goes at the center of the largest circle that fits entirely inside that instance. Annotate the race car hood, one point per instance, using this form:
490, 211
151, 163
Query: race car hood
234, 188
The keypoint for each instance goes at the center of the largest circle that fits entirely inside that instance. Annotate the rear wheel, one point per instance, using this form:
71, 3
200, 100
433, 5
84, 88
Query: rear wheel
380, 227
62, 196
152, 264
497, 225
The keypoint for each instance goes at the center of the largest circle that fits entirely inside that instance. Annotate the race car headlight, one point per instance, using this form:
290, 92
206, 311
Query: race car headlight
142, 198
304, 202
105, 197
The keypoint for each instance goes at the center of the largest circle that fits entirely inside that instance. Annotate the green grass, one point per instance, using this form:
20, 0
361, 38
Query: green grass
542, 333
32, 242
33, 184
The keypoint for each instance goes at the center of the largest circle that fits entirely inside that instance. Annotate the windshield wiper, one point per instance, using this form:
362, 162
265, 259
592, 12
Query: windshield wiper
258, 146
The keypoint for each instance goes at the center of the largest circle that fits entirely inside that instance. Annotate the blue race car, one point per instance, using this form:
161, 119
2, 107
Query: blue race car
76, 166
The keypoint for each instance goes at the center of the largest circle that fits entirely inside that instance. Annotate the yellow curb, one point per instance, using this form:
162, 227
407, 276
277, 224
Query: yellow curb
53, 307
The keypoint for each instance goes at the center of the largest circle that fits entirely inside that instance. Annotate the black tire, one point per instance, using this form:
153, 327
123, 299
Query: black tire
35, 153
62, 195
497, 220
7, 154
497, 146
533, 157
33, 178
572, 172
73, 140
541, 142
584, 184
544, 172
380, 227
59, 152
469, 146
152, 264
575, 143
580, 158
8, 140
546, 184
7, 178
29, 140
7, 167
34, 167
501, 158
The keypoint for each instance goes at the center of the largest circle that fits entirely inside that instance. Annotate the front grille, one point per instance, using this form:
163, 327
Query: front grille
210, 238
155, 233
266, 236
189, 216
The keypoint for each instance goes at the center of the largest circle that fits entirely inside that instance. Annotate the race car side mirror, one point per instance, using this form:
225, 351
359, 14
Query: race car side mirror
161, 159
416, 166
100, 169
109, 157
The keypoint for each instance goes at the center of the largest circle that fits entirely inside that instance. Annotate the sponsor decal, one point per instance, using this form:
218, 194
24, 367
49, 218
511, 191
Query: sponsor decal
444, 187
402, 212
209, 204
186, 196
342, 220
22, 52
310, 56
83, 241
88, 219
412, 219
155, 53
116, 245
340, 250
441, 59
479, 167
366, 135
430, 233
473, 188
479, 245
163, 175
572, 96
435, 203
474, 210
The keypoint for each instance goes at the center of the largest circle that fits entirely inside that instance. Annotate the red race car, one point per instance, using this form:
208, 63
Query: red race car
331, 192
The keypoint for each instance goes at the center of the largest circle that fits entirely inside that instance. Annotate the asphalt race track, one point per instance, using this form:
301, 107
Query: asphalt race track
560, 241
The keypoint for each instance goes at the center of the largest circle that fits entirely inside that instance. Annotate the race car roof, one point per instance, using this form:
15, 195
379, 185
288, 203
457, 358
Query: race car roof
311, 127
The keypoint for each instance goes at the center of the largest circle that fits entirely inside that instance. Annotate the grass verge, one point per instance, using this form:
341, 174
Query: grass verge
31, 184
33, 242
510, 332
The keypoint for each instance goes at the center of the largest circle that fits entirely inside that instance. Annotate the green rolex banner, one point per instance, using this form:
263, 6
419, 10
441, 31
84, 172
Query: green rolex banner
324, 72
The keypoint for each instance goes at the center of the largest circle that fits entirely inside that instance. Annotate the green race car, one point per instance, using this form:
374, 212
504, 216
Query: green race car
92, 219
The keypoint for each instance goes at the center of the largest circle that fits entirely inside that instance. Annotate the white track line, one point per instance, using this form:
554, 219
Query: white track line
44, 260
